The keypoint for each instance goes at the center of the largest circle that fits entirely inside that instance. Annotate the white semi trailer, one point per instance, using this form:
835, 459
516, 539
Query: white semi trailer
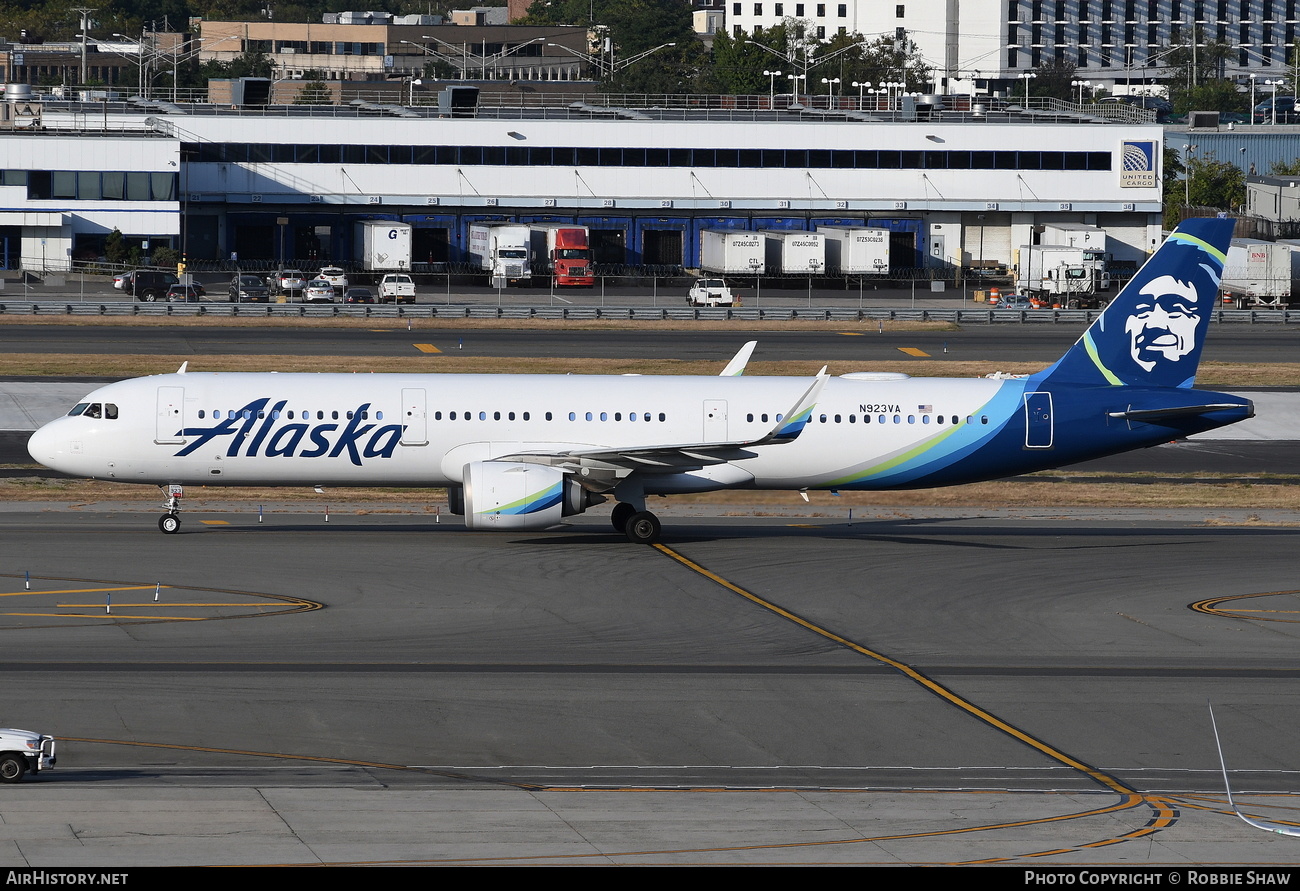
855, 250
795, 253
729, 252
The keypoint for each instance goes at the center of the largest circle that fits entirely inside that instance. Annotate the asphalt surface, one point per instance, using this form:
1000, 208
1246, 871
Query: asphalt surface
785, 685
905, 688
1037, 343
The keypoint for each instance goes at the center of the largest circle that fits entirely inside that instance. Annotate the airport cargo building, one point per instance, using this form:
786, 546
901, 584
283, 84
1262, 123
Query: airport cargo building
955, 187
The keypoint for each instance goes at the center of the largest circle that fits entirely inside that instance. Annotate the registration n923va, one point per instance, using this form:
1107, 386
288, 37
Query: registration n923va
524, 451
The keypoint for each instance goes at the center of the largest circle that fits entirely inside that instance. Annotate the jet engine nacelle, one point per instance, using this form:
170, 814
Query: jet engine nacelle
504, 495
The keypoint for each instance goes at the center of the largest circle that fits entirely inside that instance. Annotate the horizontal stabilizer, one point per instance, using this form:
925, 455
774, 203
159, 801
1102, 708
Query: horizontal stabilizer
1180, 411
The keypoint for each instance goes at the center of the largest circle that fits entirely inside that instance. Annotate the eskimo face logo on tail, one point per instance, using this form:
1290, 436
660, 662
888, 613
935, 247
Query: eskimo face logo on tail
256, 431
1163, 325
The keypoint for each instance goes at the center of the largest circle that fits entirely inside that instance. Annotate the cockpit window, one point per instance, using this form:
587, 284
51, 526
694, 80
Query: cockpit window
110, 411
78, 409
94, 410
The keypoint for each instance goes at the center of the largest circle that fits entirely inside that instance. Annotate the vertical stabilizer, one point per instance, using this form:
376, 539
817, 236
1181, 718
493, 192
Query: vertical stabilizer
1151, 334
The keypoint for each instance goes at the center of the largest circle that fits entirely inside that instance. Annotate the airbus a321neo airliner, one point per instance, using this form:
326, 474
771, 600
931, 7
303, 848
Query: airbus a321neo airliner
524, 451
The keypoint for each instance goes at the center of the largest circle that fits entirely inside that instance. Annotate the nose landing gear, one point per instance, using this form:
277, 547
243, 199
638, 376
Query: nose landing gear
169, 522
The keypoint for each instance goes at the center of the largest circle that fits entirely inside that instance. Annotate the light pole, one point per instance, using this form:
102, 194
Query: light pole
1187, 179
794, 84
831, 83
861, 85
1027, 76
1252, 96
464, 52
1080, 84
771, 86
1274, 84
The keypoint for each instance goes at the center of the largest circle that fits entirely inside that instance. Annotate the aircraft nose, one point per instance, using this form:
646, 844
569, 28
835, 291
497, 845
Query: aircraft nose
43, 445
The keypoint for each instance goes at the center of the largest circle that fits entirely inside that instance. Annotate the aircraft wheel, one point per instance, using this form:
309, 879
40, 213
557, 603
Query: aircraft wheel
621, 513
12, 768
642, 528
169, 523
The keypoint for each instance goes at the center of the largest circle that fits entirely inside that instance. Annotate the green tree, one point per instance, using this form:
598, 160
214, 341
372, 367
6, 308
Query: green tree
115, 247
1207, 182
1196, 79
1217, 94
1286, 168
634, 27
246, 64
1052, 80
314, 92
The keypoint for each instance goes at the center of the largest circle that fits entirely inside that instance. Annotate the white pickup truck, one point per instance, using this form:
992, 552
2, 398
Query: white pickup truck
711, 292
21, 751
397, 287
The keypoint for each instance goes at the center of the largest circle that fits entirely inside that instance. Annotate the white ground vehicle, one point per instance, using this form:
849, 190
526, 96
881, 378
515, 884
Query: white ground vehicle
22, 751
289, 282
335, 276
710, 292
1075, 277
318, 291
1257, 273
397, 287
732, 253
382, 244
501, 251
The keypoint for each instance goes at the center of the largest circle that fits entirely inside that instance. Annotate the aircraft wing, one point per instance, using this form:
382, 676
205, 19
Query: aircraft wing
683, 456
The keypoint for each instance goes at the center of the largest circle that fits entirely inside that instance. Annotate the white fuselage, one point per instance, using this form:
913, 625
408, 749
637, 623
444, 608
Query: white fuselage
423, 429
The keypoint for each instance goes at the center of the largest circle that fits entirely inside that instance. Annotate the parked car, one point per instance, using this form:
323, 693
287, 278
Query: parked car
335, 276
359, 295
289, 281
1014, 301
1161, 106
319, 291
120, 280
191, 293
1286, 110
397, 287
248, 289
148, 284
710, 292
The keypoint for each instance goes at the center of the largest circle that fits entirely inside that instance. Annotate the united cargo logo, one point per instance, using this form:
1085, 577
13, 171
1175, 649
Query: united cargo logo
1137, 165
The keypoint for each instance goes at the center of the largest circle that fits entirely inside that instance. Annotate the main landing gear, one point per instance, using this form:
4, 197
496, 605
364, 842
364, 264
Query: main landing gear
640, 526
169, 522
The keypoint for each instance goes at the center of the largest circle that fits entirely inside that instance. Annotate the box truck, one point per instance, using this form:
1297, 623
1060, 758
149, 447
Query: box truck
382, 245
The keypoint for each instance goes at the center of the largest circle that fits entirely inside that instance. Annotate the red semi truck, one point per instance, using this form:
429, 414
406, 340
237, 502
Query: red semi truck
564, 252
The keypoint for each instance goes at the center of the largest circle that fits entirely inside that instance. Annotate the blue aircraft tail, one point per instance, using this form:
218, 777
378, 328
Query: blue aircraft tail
1151, 334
